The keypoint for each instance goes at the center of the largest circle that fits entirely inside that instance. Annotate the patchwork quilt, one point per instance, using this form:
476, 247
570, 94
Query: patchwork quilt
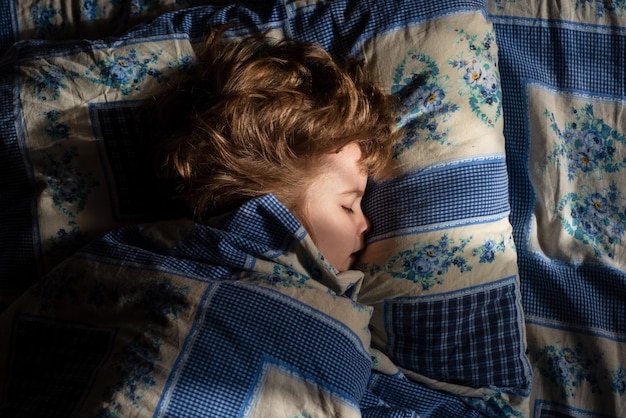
494, 280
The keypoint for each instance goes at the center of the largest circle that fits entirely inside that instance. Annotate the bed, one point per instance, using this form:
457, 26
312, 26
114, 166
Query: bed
494, 281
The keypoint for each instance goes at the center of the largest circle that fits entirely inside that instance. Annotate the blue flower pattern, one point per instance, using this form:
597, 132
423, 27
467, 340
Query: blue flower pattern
45, 18
569, 368
595, 218
183, 63
284, 276
618, 380
137, 363
66, 241
48, 19
427, 264
592, 151
585, 144
136, 366
487, 251
603, 7
423, 107
126, 73
92, 10
49, 81
481, 79
68, 186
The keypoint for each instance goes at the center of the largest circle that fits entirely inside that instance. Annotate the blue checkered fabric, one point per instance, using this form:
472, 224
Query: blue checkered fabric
8, 25
470, 337
397, 397
347, 23
230, 335
438, 198
259, 227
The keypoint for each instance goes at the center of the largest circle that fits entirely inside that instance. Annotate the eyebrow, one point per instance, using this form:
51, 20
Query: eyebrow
355, 191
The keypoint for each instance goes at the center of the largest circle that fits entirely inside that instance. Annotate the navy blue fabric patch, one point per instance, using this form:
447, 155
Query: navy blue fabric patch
40, 347
469, 337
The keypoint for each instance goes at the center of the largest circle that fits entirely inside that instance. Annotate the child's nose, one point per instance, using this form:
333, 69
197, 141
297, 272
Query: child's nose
365, 225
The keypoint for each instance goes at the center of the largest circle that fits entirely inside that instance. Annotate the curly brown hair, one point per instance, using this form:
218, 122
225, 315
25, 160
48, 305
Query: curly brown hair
262, 113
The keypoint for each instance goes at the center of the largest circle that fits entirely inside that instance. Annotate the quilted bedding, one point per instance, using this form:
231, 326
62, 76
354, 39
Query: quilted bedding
493, 283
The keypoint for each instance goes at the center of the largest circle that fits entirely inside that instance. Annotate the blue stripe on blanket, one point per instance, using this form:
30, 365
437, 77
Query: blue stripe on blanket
587, 297
462, 337
442, 197
241, 326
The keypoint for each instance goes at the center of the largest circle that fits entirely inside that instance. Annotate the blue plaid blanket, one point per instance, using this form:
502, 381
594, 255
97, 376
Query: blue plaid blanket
244, 318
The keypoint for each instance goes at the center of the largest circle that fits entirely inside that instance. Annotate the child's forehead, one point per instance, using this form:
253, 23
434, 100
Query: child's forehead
345, 168
348, 157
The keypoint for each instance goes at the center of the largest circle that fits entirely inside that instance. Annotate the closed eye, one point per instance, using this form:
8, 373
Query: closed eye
347, 209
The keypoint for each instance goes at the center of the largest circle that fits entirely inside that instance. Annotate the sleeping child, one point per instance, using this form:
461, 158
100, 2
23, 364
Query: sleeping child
282, 118
247, 308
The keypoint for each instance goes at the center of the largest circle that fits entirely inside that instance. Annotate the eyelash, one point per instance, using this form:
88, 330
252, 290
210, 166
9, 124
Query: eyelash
347, 209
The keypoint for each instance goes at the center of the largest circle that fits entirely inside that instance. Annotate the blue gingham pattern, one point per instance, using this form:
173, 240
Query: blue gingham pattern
438, 198
469, 337
397, 397
8, 25
262, 226
348, 23
241, 337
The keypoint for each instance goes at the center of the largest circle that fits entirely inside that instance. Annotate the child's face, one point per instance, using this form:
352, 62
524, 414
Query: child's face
332, 207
